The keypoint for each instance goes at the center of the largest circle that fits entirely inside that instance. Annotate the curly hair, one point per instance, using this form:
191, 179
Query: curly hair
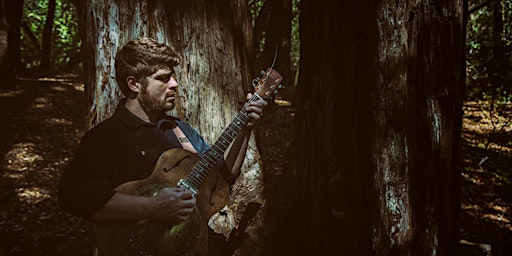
140, 58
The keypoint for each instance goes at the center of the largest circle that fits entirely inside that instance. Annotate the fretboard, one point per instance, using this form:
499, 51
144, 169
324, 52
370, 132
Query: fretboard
211, 157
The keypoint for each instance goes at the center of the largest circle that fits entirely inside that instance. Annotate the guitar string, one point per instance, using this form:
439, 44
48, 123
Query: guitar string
199, 174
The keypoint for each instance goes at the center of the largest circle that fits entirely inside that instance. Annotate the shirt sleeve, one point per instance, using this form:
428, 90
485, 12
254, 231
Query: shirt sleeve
195, 139
85, 185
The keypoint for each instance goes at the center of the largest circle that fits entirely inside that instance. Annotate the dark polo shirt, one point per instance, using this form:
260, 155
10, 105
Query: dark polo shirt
120, 149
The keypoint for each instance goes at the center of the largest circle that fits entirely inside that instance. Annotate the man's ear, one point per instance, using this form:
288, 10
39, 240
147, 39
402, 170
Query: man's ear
132, 83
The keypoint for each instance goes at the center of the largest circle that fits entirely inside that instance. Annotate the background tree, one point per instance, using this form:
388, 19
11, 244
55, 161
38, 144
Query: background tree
378, 127
46, 51
10, 20
214, 73
49, 44
4, 26
489, 59
273, 34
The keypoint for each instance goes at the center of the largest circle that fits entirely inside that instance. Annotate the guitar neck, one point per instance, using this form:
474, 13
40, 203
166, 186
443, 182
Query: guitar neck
210, 159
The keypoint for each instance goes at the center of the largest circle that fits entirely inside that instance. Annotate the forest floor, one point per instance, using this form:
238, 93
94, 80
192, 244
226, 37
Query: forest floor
41, 124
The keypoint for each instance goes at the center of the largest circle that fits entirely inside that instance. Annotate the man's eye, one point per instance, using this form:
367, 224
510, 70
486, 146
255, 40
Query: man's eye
165, 78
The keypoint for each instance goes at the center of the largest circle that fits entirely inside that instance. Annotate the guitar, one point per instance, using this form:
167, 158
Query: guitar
180, 168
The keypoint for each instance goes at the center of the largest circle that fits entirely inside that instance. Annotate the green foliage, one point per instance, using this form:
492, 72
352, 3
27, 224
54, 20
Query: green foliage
488, 58
255, 8
65, 38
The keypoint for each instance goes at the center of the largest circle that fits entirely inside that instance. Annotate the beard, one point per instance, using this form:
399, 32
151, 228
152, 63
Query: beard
153, 104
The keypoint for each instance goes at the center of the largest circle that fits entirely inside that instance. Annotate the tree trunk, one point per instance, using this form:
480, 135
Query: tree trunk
378, 127
4, 30
46, 50
10, 21
213, 76
278, 38
498, 53
31, 36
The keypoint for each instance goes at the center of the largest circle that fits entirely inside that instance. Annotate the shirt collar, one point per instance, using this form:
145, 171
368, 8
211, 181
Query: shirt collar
132, 121
128, 118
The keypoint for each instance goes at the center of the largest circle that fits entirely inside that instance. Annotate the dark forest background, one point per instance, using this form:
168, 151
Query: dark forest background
42, 78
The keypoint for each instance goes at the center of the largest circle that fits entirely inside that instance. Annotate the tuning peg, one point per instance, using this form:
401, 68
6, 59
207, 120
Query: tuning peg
280, 86
262, 72
275, 92
255, 82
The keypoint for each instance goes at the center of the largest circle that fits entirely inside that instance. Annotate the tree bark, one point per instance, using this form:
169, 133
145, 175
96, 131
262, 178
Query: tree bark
46, 50
10, 21
213, 77
378, 127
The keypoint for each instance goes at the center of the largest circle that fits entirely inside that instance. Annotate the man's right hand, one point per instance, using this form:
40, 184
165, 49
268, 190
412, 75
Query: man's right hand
171, 205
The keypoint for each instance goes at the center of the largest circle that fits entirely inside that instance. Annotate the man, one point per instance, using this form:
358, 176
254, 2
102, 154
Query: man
126, 146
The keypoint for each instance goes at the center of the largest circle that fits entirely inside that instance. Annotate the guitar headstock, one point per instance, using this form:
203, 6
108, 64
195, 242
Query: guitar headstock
267, 85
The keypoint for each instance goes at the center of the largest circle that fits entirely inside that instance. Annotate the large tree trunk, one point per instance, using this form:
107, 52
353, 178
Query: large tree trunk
46, 51
378, 127
213, 76
10, 21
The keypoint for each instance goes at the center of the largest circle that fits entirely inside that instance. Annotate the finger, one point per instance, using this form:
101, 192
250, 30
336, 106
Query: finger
248, 96
185, 211
254, 109
188, 203
171, 190
186, 194
254, 116
259, 103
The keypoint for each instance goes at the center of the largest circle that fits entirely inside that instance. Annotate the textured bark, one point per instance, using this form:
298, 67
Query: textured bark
378, 127
213, 75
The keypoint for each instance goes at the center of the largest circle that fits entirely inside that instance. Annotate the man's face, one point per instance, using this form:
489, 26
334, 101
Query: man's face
160, 92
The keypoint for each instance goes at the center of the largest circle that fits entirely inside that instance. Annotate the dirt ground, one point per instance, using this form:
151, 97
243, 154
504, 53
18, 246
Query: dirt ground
41, 126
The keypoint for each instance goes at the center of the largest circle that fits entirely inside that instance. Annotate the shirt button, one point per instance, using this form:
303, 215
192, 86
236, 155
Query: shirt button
143, 152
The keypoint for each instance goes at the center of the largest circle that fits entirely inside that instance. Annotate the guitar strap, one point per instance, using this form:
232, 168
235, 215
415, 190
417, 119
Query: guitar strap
184, 141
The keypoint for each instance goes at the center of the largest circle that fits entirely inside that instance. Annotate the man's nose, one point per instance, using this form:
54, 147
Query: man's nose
172, 83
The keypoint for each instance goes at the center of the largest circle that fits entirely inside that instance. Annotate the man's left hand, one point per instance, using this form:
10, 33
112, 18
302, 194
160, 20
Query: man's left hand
254, 110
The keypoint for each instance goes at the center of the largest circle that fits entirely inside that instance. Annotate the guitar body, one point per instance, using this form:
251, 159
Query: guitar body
149, 237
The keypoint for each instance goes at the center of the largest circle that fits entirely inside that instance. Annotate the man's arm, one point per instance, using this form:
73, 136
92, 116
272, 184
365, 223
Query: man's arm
235, 155
170, 205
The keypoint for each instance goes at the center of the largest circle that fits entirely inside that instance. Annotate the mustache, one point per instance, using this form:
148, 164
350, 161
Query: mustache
173, 92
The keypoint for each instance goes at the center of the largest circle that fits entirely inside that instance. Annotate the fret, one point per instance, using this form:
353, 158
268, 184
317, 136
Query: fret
195, 179
227, 138
214, 152
200, 172
222, 144
209, 159
238, 123
198, 175
190, 181
231, 130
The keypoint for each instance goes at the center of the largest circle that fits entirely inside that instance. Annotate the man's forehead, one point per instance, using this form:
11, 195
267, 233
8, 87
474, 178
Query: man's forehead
163, 71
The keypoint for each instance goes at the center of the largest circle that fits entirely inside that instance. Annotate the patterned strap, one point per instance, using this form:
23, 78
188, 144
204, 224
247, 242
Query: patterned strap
185, 143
